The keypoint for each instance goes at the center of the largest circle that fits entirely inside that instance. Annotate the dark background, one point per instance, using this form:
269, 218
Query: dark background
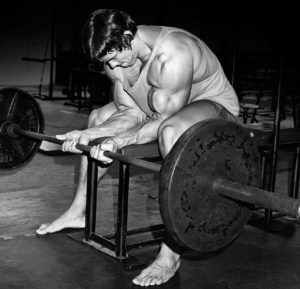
251, 29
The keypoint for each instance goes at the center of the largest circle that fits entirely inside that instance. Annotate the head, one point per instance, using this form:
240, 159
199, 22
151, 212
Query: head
107, 31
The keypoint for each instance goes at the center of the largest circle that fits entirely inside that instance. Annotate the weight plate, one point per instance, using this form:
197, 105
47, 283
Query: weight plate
18, 106
195, 216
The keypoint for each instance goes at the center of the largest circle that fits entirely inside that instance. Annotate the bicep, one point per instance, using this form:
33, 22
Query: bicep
166, 102
171, 82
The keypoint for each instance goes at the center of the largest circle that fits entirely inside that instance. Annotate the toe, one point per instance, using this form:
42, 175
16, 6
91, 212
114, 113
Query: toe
41, 232
140, 281
42, 229
144, 282
136, 281
148, 281
155, 281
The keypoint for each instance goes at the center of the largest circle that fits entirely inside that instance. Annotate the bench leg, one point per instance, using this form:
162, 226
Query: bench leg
122, 213
295, 181
91, 199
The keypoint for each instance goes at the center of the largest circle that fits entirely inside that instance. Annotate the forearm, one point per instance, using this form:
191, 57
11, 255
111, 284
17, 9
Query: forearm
119, 122
144, 132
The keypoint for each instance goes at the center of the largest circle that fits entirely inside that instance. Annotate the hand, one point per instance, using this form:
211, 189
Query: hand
72, 138
107, 145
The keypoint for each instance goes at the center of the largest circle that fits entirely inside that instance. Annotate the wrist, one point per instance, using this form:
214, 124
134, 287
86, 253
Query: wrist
116, 142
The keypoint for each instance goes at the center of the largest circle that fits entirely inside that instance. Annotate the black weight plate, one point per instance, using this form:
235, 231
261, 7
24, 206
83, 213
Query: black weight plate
19, 107
195, 216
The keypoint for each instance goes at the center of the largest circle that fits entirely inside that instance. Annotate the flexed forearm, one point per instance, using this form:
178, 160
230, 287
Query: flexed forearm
118, 123
144, 132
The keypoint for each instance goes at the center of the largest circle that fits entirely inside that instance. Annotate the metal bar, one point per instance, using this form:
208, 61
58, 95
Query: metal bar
151, 229
276, 136
91, 199
52, 47
145, 243
256, 196
104, 242
235, 49
134, 161
157, 233
296, 174
263, 170
86, 149
122, 213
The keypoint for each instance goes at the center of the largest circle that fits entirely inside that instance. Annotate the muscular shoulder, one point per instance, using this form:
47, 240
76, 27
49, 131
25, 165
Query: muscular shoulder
173, 64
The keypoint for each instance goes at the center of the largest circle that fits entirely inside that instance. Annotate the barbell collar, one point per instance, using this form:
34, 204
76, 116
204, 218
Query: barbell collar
256, 196
14, 130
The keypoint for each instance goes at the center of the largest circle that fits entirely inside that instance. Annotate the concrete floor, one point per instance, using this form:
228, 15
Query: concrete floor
43, 189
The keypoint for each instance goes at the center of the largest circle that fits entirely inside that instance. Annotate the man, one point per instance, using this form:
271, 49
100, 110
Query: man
164, 81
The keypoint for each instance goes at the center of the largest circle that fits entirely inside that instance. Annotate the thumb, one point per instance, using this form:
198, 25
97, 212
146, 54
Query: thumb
61, 136
109, 145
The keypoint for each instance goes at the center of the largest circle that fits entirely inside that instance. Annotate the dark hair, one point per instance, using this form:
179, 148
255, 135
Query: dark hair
104, 31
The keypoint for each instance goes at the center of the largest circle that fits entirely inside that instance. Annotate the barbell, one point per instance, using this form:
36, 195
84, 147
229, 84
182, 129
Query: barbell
209, 182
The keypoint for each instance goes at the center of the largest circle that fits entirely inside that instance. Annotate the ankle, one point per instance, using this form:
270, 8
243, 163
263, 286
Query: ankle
77, 210
167, 252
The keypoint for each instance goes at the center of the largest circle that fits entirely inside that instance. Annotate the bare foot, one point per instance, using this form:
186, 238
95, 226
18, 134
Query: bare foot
68, 220
161, 270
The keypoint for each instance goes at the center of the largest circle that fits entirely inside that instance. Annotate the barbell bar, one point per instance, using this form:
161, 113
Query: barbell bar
256, 196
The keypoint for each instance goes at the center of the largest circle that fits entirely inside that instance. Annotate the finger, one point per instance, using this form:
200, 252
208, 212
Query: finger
64, 146
106, 147
70, 146
93, 152
97, 153
73, 148
61, 136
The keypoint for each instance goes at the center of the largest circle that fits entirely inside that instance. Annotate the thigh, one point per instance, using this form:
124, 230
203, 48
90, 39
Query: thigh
173, 127
198, 111
101, 114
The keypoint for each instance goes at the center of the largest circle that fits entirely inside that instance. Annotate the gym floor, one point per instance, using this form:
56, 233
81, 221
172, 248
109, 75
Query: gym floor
43, 189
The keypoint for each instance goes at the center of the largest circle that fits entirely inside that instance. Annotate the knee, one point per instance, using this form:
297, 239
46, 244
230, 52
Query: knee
94, 118
167, 136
